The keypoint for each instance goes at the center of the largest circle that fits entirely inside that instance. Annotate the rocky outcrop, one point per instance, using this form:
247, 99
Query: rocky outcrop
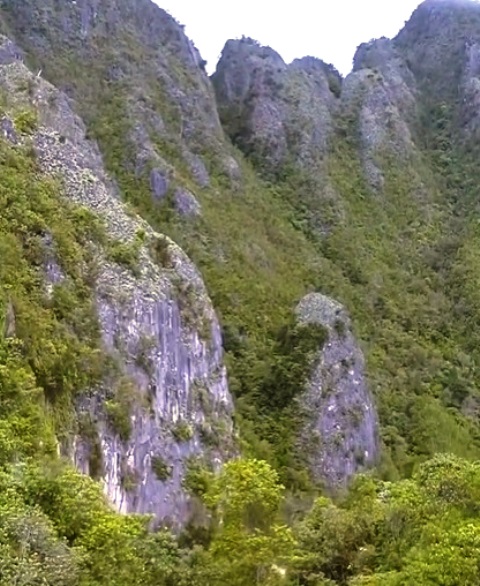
340, 435
276, 113
166, 400
135, 57
433, 43
470, 114
380, 94
441, 44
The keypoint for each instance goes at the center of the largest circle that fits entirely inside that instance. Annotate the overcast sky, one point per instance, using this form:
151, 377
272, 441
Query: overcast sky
329, 29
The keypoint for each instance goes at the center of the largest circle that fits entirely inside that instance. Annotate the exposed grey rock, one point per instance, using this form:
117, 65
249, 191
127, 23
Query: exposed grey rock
198, 170
182, 367
233, 171
380, 92
381, 56
158, 324
158, 184
340, 436
186, 203
274, 112
433, 43
328, 80
148, 124
9, 325
470, 109
441, 44
9, 52
53, 273
170, 114
8, 130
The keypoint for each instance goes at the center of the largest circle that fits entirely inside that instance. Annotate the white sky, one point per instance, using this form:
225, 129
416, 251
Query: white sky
328, 29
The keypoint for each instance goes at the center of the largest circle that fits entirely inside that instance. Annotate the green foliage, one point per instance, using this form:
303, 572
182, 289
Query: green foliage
419, 531
119, 408
160, 250
30, 551
26, 121
182, 431
56, 528
125, 254
161, 469
54, 352
143, 358
248, 546
255, 260
405, 264
295, 349
197, 477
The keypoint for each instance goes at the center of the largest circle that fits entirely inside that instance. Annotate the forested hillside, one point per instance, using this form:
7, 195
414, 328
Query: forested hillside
239, 315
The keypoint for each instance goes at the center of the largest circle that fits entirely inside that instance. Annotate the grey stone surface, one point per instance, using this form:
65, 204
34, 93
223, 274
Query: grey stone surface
9, 52
470, 114
8, 130
158, 184
171, 104
198, 170
380, 93
276, 113
340, 435
186, 203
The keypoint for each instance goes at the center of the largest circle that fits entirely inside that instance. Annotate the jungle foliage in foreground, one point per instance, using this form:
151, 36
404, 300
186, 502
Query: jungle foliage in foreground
57, 530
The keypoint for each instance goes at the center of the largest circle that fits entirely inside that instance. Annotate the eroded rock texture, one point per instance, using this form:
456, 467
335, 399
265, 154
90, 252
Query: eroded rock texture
157, 325
340, 435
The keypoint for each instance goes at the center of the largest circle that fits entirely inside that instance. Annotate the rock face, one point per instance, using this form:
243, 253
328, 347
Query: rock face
277, 113
341, 433
157, 324
380, 93
433, 42
440, 44
470, 115
135, 57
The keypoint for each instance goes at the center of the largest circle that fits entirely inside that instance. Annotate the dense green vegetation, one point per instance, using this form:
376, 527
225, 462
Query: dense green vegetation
398, 263
405, 264
56, 529
48, 342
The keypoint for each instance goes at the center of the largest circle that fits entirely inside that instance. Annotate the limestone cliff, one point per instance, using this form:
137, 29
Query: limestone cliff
139, 84
380, 92
280, 114
340, 434
166, 399
135, 57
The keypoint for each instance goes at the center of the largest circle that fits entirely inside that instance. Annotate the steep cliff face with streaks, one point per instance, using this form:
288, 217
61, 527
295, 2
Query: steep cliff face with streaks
164, 400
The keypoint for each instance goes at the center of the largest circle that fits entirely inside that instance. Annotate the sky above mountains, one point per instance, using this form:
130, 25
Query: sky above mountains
328, 29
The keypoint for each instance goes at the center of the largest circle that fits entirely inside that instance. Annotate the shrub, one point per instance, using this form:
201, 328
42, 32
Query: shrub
118, 409
26, 121
161, 469
182, 431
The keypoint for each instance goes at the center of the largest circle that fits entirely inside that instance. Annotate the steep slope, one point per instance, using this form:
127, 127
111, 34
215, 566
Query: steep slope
340, 433
381, 91
366, 201
160, 395
340, 253
139, 84
255, 90
390, 212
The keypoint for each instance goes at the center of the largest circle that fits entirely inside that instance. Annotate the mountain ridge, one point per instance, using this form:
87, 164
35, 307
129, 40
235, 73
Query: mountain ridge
276, 262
